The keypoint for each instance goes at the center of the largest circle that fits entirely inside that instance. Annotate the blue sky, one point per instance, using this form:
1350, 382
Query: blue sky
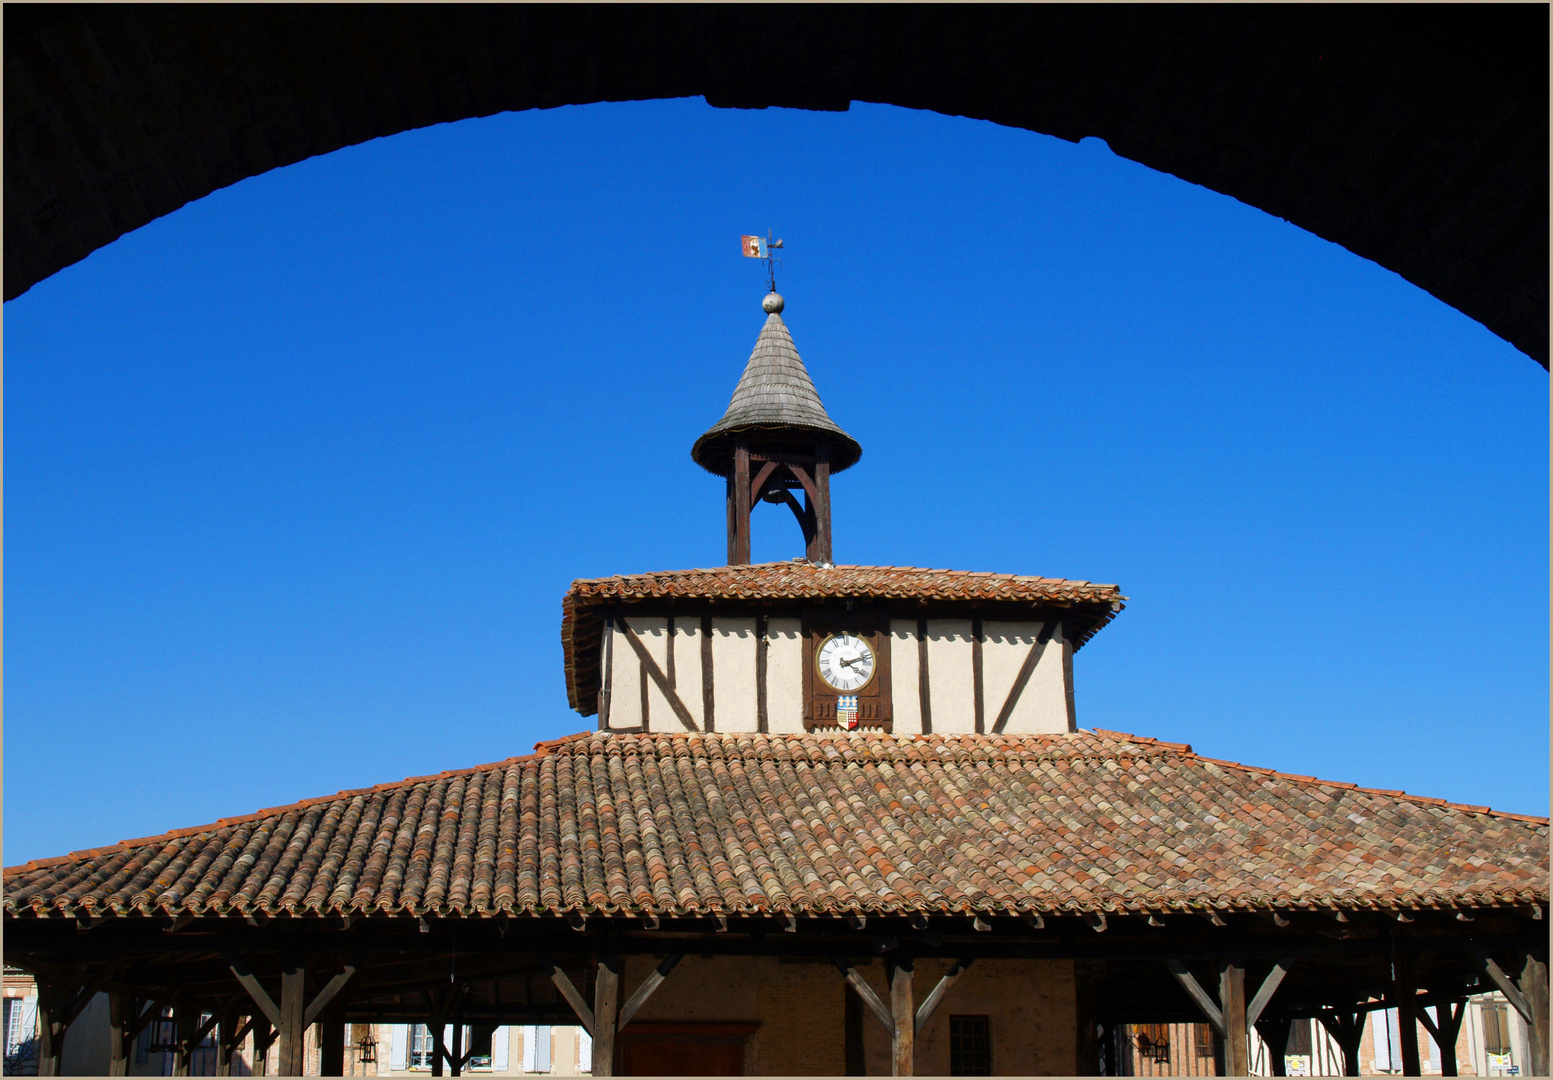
297, 476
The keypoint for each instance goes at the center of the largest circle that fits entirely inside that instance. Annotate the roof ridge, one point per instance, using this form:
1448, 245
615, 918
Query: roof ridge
1427, 800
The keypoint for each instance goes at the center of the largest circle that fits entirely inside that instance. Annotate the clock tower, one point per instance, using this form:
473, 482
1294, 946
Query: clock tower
776, 441
806, 645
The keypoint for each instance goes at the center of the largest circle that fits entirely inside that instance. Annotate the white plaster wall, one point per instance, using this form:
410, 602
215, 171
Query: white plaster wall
905, 692
687, 669
625, 696
1043, 705
784, 675
950, 681
733, 674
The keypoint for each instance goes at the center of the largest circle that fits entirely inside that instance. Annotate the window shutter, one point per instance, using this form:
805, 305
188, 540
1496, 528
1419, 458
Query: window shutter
584, 1051
542, 1049
499, 1050
399, 1037
1382, 1025
528, 1048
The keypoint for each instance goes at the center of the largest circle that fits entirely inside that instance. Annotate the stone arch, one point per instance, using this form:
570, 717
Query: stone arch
1413, 136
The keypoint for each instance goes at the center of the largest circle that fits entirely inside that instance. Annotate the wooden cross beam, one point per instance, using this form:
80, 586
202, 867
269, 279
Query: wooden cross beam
649, 984
1506, 986
931, 1002
1032, 657
866, 993
655, 673
564, 984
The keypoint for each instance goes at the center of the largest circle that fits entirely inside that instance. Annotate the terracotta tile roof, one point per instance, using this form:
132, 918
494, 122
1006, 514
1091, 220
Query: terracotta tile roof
1090, 606
679, 824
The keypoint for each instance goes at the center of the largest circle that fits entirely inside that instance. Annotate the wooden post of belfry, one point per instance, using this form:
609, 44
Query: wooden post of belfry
331, 1042
51, 1033
739, 505
903, 1009
819, 549
263, 1039
606, 1007
293, 977
1232, 1005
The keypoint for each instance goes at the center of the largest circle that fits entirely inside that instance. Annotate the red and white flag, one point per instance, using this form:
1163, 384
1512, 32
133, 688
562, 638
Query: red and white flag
754, 247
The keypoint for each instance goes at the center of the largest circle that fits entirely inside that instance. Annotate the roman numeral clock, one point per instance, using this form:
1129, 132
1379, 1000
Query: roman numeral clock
846, 670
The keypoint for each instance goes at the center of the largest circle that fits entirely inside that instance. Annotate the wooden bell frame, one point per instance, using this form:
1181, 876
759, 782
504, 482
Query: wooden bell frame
751, 480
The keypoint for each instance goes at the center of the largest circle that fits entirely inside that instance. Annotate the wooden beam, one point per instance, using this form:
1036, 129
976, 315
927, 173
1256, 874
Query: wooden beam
245, 976
903, 1013
1534, 991
1266, 991
331, 990
1033, 657
1506, 987
655, 673
708, 715
1404, 984
293, 979
978, 703
1347, 1029
1195, 991
936, 996
924, 695
564, 984
1232, 1002
649, 984
758, 484
869, 998
121, 1017
762, 646
739, 534
606, 1015
821, 545
331, 1044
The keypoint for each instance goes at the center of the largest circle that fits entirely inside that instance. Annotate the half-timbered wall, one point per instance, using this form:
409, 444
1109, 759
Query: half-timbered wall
948, 676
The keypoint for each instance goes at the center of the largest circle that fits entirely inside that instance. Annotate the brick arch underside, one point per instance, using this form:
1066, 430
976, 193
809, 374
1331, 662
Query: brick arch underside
1415, 137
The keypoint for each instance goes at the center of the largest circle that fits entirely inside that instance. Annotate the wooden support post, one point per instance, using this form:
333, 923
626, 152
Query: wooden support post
606, 987
1404, 985
1534, 989
1275, 1035
263, 1039
1347, 1028
186, 1019
852, 1032
903, 1010
331, 1043
456, 1051
226, 1042
1085, 1014
739, 493
820, 546
51, 1030
122, 1013
293, 977
1232, 1002
1444, 1031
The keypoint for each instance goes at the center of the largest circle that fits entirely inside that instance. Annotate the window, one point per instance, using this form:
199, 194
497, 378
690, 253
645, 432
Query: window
1386, 1033
970, 1046
1496, 1032
422, 1048
1202, 1040
536, 1048
21, 1035
584, 1051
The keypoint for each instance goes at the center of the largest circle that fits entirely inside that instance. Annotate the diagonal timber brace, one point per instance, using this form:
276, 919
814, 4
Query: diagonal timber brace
866, 992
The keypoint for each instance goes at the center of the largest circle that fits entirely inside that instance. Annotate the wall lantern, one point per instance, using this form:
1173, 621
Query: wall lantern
367, 1049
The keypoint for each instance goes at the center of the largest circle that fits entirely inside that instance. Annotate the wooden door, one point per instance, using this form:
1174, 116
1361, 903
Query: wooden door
683, 1049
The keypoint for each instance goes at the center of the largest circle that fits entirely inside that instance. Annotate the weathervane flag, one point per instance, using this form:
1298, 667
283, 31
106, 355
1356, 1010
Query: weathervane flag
754, 247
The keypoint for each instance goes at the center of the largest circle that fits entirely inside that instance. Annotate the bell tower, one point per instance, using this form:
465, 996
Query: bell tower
775, 441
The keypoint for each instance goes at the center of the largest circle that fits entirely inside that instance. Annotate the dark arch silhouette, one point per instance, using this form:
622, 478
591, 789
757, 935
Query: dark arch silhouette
1413, 136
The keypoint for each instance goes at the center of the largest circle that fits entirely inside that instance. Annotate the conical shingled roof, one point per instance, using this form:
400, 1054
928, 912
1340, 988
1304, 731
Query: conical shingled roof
776, 406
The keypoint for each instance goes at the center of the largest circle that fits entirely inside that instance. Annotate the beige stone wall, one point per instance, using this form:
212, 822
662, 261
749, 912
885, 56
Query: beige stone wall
733, 674
784, 675
1040, 708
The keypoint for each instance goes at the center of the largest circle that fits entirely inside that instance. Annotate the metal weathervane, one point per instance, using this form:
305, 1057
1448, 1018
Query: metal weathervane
761, 247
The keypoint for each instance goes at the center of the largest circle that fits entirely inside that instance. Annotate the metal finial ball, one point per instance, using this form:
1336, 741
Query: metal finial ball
772, 304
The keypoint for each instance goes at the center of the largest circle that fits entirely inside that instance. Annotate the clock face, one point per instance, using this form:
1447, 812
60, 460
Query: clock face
845, 662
